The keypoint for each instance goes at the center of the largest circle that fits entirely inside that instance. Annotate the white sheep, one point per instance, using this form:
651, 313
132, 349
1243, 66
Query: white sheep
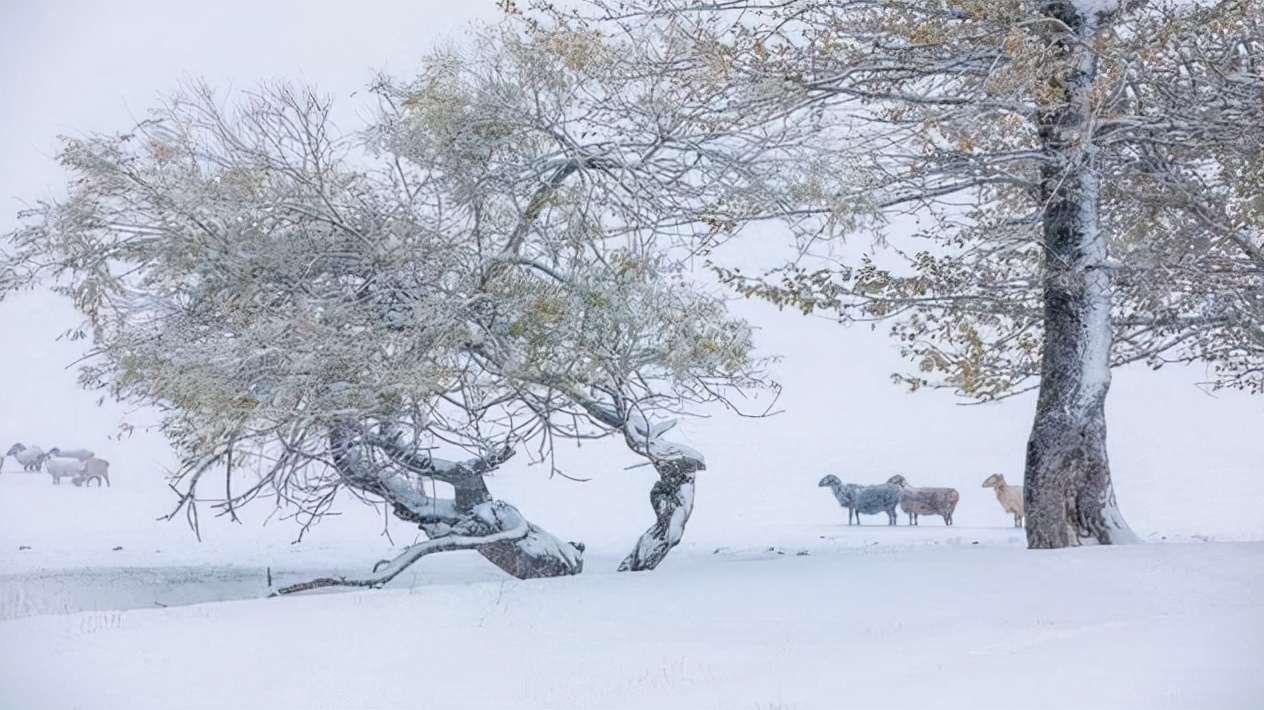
93, 468
31, 457
62, 467
81, 454
1011, 497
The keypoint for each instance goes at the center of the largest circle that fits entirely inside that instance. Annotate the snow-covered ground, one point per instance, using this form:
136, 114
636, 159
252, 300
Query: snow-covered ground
830, 616
771, 601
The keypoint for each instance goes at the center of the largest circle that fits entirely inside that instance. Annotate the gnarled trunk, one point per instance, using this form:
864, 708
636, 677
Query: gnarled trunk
672, 499
531, 554
1068, 497
672, 494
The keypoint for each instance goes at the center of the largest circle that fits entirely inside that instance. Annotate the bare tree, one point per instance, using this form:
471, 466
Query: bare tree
1081, 179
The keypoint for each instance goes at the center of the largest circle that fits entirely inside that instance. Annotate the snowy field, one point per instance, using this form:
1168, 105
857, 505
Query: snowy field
772, 600
832, 616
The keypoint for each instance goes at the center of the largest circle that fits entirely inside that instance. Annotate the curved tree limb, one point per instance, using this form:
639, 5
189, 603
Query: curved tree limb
382, 574
473, 513
672, 499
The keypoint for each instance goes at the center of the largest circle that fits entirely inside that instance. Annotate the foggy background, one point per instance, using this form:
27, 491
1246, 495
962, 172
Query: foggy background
1184, 462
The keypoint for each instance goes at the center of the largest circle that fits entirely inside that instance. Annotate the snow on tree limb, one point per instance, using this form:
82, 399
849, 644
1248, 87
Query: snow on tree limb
506, 524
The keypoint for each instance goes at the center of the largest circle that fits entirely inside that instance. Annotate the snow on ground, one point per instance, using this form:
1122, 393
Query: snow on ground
809, 614
102, 606
958, 625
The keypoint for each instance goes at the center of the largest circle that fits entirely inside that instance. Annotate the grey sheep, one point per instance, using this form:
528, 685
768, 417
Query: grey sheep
843, 492
31, 458
93, 468
926, 501
870, 500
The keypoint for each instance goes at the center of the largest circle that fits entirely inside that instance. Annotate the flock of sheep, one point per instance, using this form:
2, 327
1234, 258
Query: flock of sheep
884, 497
81, 466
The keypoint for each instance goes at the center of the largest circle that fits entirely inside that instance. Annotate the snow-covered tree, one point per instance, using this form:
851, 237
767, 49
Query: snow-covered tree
482, 269
1049, 189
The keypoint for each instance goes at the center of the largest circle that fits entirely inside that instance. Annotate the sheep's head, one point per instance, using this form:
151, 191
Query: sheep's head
15, 449
994, 480
830, 480
54, 451
897, 480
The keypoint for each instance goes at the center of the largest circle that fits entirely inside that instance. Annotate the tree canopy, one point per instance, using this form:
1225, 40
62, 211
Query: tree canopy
1028, 192
487, 265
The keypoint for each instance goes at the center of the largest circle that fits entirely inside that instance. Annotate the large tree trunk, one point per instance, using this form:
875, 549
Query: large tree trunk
1068, 497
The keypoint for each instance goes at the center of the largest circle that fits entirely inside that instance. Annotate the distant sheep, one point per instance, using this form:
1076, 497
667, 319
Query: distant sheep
93, 468
843, 492
870, 500
31, 457
60, 467
1011, 497
926, 501
81, 454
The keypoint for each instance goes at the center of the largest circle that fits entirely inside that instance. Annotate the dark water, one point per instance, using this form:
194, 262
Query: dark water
115, 588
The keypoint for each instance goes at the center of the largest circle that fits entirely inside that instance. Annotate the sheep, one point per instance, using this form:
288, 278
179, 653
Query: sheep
926, 501
81, 454
869, 500
31, 457
61, 467
1011, 497
93, 468
843, 492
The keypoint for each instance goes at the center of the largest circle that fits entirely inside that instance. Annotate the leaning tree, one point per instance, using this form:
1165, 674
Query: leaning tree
1050, 188
488, 266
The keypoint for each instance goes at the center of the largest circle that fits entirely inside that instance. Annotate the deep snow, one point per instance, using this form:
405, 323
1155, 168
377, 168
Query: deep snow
870, 617
807, 614
950, 625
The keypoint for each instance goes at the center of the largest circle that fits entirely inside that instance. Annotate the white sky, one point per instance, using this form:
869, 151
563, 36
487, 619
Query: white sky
77, 67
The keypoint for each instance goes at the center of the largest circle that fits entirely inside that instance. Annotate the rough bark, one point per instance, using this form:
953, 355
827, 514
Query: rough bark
535, 554
672, 499
1069, 498
672, 494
